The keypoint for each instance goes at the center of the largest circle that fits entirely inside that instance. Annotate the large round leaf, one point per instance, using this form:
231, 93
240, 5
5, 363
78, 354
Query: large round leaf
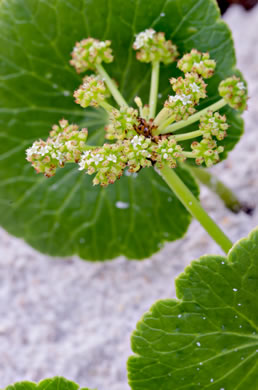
56, 383
66, 214
208, 338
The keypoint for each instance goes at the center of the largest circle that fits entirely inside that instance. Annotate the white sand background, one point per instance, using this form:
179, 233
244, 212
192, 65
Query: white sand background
74, 318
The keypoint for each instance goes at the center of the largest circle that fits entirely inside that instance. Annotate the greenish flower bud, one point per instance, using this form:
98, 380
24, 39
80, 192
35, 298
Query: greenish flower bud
122, 123
65, 144
108, 162
138, 152
90, 52
92, 92
167, 152
154, 47
197, 62
206, 151
214, 124
192, 85
234, 92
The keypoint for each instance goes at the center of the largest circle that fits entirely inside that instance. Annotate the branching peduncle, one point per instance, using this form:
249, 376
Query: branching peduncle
195, 208
112, 87
165, 129
154, 88
184, 137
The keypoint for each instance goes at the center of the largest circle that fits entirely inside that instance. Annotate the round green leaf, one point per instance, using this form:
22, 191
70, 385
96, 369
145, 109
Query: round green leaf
208, 338
66, 215
56, 383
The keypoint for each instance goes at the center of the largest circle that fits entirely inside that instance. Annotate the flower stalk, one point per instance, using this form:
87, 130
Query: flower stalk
194, 207
154, 88
112, 86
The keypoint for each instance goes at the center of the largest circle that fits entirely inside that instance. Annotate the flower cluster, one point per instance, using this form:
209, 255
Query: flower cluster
122, 123
167, 152
181, 106
154, 47
90, 52
108, 162
139, 142
65, 144
192, 85
234, 92
206, 151
197, 62
92, 92
214, 124
138, 151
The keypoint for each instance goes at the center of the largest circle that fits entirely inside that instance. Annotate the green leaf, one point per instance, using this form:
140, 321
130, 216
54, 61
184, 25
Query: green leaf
208, 337
56, 383
66, 215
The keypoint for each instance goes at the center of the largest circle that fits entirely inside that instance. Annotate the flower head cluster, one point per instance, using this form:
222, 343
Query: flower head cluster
154, 47
65, 144
167, 152
90, 52
192, 85
138, 151
214, 124
234, 92
197, 62
108, 162
122, 123
92, 92
181, 106
206, 151
137, 133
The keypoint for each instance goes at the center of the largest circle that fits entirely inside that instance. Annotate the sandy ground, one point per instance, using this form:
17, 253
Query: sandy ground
73, 318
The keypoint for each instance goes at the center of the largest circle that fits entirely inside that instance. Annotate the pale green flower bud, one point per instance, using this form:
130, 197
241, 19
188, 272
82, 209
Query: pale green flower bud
122, 123
167, 152
65, 144
197, 62
153, 47
234, 92
192, 85
92, 92
206, 151
90, 52
138, 152
108, 162
214, 124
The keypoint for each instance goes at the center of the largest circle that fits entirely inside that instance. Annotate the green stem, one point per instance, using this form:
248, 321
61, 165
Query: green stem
190, 135
154, 89
214, 184
112, 86
194, 207
192, 119
161, 117
106, 106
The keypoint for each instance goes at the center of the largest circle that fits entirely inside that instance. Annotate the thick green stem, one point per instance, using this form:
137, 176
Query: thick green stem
112, 86
194, 207
214, 184
154, 89
184, 137
192, 119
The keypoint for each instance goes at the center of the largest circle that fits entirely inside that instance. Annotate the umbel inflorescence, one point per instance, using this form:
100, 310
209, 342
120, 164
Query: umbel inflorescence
137, 137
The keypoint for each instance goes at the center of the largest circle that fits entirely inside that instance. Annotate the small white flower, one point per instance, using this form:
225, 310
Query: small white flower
241, 85
185, 99
137, 140
195, 87
143, 37
112, 158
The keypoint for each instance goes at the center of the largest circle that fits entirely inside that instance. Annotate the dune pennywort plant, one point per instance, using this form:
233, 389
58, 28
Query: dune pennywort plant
138, 136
